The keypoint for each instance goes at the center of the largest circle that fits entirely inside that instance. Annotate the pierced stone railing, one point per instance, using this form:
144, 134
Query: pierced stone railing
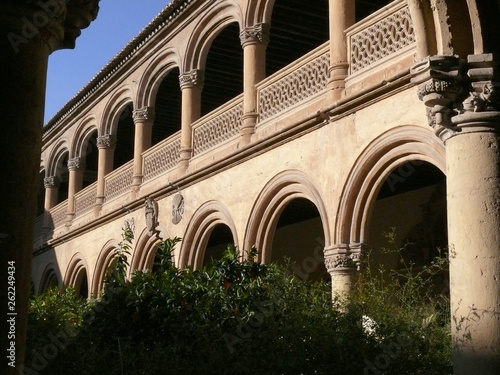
119, 181
58, 214
218, 126
295, 83
161, 157
85, 199
384, 34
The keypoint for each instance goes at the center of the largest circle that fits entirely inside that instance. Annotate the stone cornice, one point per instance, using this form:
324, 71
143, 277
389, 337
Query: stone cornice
165, 18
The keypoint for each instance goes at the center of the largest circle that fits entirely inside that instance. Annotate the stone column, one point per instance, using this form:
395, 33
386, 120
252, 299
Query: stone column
342, 16
469, 125
191, 84
143, 120
106, 146
51, 185
29, 32
342, 264
76, 166
254, 41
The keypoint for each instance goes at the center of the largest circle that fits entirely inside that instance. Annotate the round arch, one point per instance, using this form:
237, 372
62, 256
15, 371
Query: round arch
259, 11
118, 101
81, 136
272, 200
221, 15
77, 273
153, 75
49, 278
198, 232
103, 262
145, 250
384, 154
55, 157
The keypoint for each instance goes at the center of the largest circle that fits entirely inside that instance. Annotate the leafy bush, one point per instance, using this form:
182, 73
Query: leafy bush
242, 317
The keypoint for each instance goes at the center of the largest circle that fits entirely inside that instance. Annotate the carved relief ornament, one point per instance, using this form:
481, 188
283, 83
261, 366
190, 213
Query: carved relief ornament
50, 181
193, 78
151, 215
177, 208
339, 261
76, 163
106, 141
258, 33
143, 114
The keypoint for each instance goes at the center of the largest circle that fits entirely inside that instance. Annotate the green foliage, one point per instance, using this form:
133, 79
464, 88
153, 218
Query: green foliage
243, 317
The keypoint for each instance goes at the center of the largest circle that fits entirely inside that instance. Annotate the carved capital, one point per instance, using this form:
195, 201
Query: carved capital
338, 262
440, 87
50, 182
143, 114
194, 78
257, 34
106, 141
76, 163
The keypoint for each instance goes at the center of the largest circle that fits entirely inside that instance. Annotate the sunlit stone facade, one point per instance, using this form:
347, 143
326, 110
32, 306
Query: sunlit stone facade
307, 128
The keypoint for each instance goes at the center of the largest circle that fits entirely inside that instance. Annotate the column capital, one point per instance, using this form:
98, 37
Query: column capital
143, 114
461, 96
106, 141
257, 34
193, 78
343, 257
50, 182
57, 23
77, 163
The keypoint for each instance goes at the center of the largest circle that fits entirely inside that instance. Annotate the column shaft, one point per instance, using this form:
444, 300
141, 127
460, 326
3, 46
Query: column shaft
342, 16
143, 119
191, 85
105, 144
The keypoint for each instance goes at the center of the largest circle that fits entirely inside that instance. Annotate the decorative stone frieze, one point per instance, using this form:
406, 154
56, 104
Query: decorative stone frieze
76, 163
106, 141
256, 34
49, 182
143, 114
193, 78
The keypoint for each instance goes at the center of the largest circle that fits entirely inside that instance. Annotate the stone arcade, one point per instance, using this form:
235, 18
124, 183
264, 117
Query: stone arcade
295, 126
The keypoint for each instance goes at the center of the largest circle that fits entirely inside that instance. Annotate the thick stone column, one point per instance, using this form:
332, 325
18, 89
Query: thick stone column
106, 146
342, 16
76, 167
341, 263
29, 32
254, 41
469, 125
143, 120
191, 84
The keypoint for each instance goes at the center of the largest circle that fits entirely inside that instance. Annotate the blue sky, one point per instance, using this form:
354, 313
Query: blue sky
117, 23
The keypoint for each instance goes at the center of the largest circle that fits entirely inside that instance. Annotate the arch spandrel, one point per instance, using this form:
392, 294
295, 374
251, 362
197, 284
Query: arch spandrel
372, 167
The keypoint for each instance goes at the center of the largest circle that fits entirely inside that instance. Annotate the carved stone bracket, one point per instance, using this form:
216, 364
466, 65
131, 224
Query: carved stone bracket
256, 34
143, 114
49, 182
106, 141
194, 78
76, 163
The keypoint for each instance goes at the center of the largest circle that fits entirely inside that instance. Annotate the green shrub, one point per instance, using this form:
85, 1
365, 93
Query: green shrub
242, 317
